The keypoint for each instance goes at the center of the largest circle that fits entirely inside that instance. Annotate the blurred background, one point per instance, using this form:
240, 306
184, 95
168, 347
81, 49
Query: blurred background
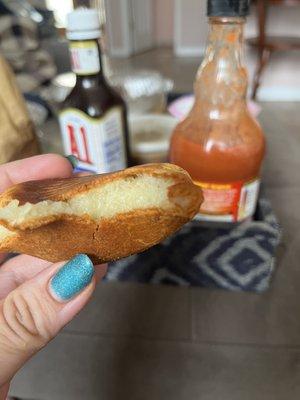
170, 36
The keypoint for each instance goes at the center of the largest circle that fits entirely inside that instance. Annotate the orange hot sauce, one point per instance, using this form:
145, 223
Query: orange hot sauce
220, 144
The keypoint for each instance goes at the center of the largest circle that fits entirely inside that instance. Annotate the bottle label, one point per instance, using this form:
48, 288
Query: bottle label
85, 57
98, 143
232, 202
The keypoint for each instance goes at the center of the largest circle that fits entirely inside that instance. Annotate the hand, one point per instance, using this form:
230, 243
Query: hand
37, 298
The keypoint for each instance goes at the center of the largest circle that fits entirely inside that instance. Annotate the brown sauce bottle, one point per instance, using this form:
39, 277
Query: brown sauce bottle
93, 117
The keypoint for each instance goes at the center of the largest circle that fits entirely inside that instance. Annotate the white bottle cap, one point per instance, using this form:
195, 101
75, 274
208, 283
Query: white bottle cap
83, 24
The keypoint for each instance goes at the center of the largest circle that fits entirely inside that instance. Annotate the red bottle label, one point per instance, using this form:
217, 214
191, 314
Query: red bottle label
229, 202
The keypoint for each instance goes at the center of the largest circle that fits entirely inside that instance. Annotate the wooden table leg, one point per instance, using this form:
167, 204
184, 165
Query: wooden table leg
263, 58
264, 53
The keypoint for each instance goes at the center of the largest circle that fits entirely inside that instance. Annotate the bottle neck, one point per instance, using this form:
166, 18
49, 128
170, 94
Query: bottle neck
86, 61
222, 78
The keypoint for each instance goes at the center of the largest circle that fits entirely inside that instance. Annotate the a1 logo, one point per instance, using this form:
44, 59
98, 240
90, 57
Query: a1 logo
98, 143
77, 137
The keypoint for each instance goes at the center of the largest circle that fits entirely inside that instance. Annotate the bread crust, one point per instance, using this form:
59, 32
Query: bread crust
60, 237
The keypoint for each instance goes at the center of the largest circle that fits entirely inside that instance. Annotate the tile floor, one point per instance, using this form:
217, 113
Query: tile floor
157, 342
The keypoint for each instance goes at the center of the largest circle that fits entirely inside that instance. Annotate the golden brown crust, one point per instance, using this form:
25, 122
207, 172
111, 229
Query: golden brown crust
109, 239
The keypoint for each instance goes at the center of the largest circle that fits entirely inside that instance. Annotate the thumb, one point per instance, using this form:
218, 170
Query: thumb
33, 314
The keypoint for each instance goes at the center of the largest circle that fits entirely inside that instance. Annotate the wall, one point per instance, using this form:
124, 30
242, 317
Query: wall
281, 21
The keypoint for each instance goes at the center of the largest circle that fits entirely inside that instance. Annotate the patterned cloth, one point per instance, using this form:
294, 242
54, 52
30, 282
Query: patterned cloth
19, 44
240, 258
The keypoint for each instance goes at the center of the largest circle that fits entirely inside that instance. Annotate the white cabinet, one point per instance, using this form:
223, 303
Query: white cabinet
142, 25
129, 26
190, 27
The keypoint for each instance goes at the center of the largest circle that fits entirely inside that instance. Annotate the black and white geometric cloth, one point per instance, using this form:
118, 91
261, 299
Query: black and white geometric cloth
239, 258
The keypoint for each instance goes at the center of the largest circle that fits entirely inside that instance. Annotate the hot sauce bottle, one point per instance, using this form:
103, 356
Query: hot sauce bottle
93, 117
219, 143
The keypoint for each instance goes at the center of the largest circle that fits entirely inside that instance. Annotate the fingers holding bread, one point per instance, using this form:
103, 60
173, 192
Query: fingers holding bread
105, 216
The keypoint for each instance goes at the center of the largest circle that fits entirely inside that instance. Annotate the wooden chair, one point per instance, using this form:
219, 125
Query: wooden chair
268, 44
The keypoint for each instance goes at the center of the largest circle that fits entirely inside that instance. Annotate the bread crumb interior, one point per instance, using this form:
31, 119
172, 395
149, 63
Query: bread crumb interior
5, 233
106, 201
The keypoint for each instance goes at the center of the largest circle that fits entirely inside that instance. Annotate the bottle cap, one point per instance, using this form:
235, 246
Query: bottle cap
227, 8
83, 24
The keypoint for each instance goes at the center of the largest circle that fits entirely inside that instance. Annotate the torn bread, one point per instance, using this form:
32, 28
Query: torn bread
105, 216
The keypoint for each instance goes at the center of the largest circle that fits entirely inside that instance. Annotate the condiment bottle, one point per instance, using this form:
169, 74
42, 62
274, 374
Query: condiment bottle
219, 143
93, 117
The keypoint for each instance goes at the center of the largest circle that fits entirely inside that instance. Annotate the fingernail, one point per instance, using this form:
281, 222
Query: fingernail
73, 160
72, 278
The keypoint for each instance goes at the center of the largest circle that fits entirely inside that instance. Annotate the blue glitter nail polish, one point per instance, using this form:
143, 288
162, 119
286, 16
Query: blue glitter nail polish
72, 278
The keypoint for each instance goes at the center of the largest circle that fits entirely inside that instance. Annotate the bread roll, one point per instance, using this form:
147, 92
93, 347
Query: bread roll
105, 216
